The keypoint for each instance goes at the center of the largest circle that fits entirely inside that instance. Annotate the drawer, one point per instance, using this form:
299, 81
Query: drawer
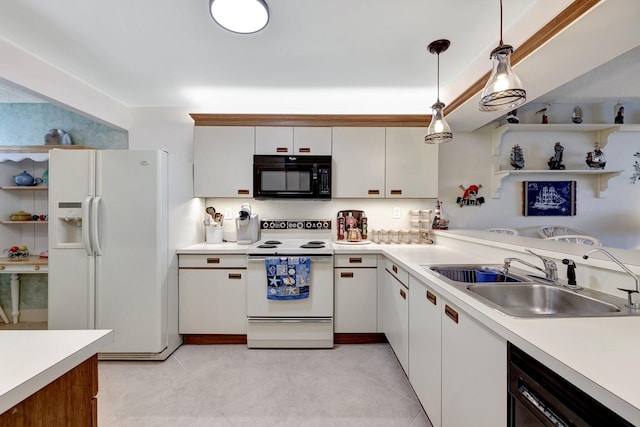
398, 272
354, 261
212, 261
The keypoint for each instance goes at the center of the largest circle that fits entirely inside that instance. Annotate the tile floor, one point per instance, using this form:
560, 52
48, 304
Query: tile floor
231, 386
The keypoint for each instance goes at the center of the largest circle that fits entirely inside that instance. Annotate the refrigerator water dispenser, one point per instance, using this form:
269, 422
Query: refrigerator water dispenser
68, 227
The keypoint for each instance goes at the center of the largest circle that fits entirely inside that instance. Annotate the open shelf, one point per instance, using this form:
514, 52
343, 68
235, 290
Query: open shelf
23, 187
602, 177
24, 222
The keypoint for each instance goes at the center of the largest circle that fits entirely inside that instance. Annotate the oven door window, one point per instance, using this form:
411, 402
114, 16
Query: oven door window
285, 181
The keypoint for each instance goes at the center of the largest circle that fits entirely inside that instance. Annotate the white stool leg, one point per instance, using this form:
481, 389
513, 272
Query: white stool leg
15, 296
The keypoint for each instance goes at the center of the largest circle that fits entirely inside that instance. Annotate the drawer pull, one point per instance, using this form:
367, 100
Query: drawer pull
213, 260
355, 260
453, 315
36, 268
243, 192
373, 192
346, 274
304, 150
395, 269
396, 192
282, 150
235, 276
403, 294
432, 297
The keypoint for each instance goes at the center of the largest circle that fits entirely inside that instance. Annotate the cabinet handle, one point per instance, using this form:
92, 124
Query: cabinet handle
355, 260
235, 276
282, 150
1, 267
396, 192
243, 192
374, 192
432, 297
36, 268
453, 315
403, 294
213, 260
394, 268
346, 274
304, 150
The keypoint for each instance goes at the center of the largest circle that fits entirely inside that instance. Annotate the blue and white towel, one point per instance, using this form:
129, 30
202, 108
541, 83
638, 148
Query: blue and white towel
288, 277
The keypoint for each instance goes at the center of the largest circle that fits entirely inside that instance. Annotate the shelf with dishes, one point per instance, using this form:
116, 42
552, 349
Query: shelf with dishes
602, 177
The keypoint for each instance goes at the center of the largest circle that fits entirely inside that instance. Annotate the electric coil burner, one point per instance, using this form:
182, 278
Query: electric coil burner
294, 323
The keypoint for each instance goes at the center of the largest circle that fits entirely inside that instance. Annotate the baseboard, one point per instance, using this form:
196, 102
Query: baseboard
360, 338
208, 339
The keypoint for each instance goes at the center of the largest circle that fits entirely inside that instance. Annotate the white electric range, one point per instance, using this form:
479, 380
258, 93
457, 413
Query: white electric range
298, 314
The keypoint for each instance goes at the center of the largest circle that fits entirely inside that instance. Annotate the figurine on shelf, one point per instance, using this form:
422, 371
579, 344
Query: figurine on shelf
545, 114
576, 116
512, 116
439, 223
555, 162
595, 158
517, 158
619, 112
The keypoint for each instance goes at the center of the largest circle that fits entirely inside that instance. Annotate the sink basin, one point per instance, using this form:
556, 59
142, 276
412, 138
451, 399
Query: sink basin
535, 300
474, 273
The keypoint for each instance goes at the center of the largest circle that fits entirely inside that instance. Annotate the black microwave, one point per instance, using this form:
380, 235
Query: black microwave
291, 177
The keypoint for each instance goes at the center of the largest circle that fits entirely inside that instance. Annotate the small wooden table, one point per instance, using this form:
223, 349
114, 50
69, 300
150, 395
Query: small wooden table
33, 264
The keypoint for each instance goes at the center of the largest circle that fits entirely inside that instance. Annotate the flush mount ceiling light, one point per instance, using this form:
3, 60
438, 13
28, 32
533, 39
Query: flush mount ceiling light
504, 90
439, 131
240, 16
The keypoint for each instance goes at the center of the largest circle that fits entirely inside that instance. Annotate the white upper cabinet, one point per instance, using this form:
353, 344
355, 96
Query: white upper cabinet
223, 161
411, 165
358, 162
274, 140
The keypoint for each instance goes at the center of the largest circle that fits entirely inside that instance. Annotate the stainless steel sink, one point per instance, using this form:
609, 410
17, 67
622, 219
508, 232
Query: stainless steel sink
534, 300
521, 294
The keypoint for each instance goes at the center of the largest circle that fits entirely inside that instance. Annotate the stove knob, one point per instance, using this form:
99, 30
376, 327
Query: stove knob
318, 225
309, 225
300, 225
283, 225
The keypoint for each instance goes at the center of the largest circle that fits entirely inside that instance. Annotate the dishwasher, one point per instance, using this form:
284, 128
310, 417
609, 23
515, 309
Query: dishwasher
540, 397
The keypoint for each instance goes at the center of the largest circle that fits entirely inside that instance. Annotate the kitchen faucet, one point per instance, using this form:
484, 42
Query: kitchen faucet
550, 269
630, 302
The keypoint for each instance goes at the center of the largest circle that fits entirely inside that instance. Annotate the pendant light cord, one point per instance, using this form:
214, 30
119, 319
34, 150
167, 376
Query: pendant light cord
501, 43
438, 77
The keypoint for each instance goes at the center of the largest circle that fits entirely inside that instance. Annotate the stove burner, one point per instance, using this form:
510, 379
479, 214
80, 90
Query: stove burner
267, 246
272, 242
313, 245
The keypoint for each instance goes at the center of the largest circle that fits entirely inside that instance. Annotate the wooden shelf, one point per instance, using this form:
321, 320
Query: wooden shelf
24, 222
602, 176
23, 187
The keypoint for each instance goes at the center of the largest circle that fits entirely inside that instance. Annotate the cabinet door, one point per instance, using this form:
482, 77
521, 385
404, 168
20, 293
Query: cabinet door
474, 372
396, 318
411, 165
314, 141
425, 321
212, 301
358, 162
273, 140
223, 161
356, 300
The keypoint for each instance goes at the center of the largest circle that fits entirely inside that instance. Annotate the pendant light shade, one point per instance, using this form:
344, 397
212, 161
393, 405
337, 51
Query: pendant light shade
240, 16
439, 130
503, 90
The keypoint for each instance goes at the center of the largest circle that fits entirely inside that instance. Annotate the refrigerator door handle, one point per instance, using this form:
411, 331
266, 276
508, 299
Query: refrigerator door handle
95, 237
86, 205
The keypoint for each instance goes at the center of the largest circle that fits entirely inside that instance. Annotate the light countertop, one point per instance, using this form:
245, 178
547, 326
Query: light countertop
599, 355
30, 360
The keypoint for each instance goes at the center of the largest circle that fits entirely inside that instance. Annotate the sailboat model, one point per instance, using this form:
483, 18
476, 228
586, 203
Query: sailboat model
517, 159
548, 198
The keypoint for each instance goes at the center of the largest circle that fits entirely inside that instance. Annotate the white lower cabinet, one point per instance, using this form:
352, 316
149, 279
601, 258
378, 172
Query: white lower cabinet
458, 367
356, 293
394, 292
425, 349
212, 294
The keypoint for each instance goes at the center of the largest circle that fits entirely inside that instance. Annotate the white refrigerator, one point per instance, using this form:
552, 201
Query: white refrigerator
112, 262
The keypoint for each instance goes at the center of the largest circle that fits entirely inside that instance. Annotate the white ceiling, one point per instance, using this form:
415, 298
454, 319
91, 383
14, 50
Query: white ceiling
315, 56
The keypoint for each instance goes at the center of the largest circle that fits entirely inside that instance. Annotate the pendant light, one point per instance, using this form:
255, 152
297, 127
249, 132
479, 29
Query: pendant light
439, 131
240, 16
503, 91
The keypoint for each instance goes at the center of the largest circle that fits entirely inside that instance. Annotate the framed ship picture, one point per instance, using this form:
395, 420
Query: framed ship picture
549, 198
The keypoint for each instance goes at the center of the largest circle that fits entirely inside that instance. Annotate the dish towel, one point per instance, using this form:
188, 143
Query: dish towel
288, 277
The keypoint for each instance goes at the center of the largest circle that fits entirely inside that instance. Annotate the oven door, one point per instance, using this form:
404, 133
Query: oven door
319, 304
